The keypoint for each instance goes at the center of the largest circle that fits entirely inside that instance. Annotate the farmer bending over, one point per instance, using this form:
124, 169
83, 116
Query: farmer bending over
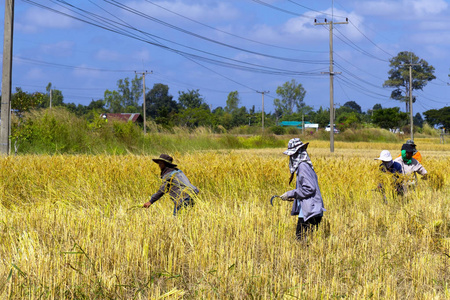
416, 154
308, 203
175, 183
410, 166
389, 166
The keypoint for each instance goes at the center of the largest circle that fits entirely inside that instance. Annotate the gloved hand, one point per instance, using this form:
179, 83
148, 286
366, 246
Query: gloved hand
284, 196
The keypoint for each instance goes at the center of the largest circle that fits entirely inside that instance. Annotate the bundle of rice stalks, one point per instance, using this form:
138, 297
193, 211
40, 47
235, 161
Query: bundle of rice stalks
436, 180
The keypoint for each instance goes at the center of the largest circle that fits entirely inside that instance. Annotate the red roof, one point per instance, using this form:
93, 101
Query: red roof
126, 117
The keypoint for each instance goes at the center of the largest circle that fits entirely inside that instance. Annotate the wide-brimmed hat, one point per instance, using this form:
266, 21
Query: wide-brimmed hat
410, 142
385, 155
408, 147
294, 145
167, 159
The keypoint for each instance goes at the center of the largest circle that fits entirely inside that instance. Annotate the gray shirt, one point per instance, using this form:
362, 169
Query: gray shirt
176, 184
414, 167
306, 193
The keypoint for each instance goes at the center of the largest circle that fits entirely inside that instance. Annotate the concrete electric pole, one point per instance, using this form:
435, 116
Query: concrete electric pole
411, 119
143, 104
262, 108
330, 24
6, 78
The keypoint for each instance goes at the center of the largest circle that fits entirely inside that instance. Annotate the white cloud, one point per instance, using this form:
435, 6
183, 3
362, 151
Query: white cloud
427, 7
198, 11
35, 73
435, 25
35, 20
432, 38
142, 55
63, 48
403, 9
86, 73
437, 52
108, 55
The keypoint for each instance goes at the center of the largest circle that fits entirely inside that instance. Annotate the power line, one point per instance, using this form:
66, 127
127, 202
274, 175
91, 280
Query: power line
254, 67
40, 62
370, 39
231, 34
281, 9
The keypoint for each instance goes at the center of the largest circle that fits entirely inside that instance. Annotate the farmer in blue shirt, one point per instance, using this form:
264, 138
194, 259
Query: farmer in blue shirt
387, 164
308, 203
390, 166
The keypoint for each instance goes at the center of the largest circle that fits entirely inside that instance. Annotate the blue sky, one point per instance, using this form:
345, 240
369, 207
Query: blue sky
230, 45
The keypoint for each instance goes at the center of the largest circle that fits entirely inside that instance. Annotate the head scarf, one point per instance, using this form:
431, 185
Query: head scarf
296, 158
407, 161
297, 154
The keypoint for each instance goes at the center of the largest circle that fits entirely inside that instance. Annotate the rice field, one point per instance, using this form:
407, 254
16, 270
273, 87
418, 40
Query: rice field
72, 227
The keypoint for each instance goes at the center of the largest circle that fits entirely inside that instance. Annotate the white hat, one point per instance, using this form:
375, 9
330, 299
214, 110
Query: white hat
385, 155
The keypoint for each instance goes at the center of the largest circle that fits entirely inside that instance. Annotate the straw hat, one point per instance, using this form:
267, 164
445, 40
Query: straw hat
167, 159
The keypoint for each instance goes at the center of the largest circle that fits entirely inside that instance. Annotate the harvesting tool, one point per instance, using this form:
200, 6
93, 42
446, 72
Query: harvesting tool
273, 197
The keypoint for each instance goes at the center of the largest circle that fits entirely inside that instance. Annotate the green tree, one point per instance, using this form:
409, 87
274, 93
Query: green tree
232, 102
348, 120
321, 117
354, 106
126, 98
418, 120
191, 99
239, 117
160, 105
388, 118
56, 96
291, 94
438, 117
195, 117
399, 78
22, 102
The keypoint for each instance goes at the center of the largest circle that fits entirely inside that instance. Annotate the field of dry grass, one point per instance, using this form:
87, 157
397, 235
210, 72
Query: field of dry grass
71, 228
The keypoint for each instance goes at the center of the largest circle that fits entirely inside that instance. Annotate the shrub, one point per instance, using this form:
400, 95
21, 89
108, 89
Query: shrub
278, 130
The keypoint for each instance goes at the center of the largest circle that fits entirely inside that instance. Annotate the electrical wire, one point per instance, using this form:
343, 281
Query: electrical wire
250, 67
281, 9
231, 34
347, 41
40, 62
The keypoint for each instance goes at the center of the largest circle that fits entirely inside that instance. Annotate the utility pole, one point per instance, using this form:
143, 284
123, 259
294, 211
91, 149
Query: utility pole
330, 24
303, 124
143, 104
6, 78
411, 119
50, 98
262, 112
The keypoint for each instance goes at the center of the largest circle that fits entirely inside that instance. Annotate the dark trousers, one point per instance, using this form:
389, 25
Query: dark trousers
184, 203
303, 228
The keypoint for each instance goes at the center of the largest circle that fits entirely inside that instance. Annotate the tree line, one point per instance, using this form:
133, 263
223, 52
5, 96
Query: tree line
191, 110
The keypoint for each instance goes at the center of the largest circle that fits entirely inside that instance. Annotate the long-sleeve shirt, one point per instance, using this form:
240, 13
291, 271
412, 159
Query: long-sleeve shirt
307, 194
414, 167
176, 184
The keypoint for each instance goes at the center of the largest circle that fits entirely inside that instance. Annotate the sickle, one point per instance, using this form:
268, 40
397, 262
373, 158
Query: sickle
271, 199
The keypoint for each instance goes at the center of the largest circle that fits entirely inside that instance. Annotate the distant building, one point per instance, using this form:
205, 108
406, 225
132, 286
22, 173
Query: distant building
298, 124
125, 117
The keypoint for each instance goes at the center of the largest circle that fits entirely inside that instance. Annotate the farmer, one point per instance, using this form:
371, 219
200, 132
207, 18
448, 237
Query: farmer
410, 166
389, 166
175, 183
416, 154
308, 203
